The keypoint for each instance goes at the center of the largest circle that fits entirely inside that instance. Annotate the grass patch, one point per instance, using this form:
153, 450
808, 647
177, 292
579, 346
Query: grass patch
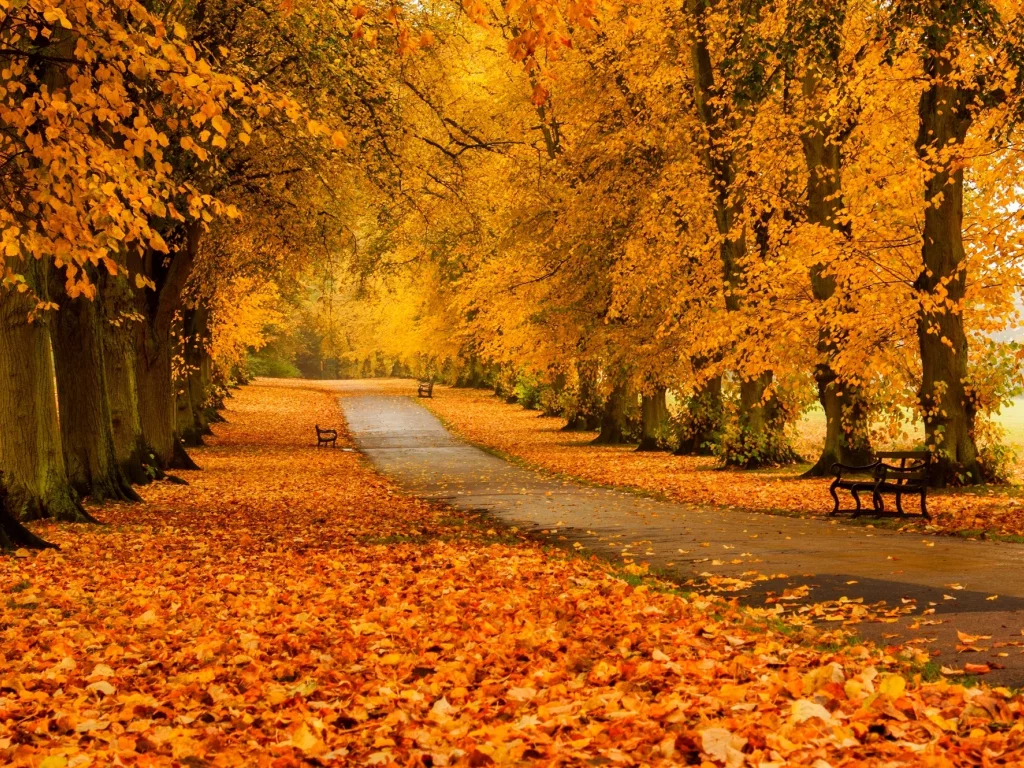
989, 535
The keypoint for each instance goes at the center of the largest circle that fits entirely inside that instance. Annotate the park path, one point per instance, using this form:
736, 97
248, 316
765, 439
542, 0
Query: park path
951, 582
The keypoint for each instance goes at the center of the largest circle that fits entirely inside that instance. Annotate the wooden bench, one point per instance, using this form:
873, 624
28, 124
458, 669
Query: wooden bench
326, 437
910, 477
426, 388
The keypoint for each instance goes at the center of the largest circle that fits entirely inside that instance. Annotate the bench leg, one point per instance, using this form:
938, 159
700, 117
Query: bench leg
924, 507
835, 497
899, 504
877, 503
856, 498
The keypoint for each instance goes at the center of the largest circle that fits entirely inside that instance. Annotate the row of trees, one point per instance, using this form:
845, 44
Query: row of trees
167, 174
753, 205
741, 201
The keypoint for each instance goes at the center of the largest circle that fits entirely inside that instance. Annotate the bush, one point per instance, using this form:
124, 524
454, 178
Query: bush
528, 391
272, 367
996, 459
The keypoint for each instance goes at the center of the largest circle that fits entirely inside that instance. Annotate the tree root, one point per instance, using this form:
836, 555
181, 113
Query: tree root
181, 459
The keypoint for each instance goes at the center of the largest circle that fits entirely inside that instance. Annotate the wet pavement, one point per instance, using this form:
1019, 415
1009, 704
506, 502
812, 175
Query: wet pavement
945, 585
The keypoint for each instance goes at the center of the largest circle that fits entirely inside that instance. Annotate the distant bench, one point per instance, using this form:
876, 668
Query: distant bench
326, 437
426, 389
909, 478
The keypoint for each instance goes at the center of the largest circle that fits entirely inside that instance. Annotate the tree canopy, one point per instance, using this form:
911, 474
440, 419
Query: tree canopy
739, 209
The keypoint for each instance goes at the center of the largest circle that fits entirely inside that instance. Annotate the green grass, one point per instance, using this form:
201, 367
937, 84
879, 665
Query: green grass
931, 672
978, 533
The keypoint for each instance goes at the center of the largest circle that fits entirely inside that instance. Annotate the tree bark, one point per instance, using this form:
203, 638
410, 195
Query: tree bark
154, 349
202, 387
552, 405
31, 457
12, 533
949, 410
719, 158
586, 416
85, 421
615, 416
119, 366
761, 439
846, 412
654, 412
192, 395
156, 394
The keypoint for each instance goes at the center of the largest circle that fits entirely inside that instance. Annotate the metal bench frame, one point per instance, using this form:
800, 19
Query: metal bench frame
910, 477
326, 437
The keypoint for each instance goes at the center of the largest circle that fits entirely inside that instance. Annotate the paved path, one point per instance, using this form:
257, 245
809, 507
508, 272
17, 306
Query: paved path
954, 578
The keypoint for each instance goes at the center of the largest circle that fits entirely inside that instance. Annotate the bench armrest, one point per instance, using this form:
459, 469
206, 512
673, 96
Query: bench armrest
838, 468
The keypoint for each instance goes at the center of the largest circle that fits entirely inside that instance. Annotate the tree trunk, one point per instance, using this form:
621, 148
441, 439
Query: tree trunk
615, 417
552, 405
846, 412
154, 349
192, 393
156, 394
948, 407
185, 415
718, 154
703, 424
846, 424
654, 411
85, 421
586, 415
760, 439
31, 457
204, 392
119, 366
12, 533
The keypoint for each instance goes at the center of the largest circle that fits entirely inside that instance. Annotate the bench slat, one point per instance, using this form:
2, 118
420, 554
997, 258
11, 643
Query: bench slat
920, 455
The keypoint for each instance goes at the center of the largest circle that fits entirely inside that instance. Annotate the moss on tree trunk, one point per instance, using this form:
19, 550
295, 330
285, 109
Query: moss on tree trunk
31, 455
119, 367
654, 414
13, 534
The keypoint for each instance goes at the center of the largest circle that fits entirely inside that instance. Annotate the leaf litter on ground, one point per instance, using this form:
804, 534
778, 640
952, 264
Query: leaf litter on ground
290, 607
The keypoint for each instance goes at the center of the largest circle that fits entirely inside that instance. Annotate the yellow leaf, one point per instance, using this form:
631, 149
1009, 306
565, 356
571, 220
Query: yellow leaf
893, 686
102, 686
303, 738
220, 125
